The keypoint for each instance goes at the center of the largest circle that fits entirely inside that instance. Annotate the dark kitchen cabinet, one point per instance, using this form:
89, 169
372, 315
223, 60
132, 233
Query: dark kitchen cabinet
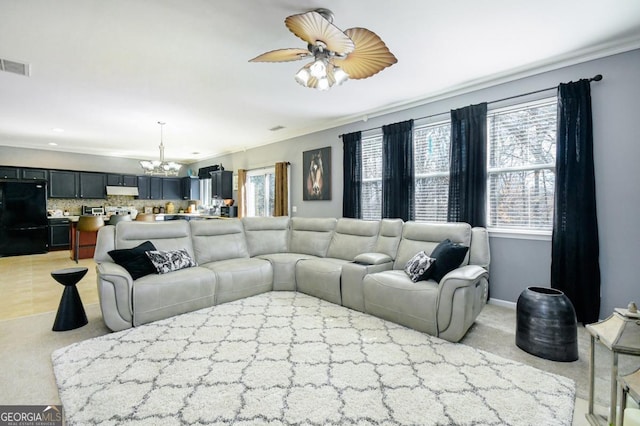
190, 188
171, 189
93, 185
149, 188
59, 234
63, 184
122, 180
9, 173
222, 184
38, 174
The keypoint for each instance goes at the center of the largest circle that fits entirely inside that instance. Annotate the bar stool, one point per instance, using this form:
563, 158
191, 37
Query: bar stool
146, 217
119, 218
86, 223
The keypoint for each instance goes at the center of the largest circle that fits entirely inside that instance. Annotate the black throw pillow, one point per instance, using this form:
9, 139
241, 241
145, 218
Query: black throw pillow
135, 260
448, 256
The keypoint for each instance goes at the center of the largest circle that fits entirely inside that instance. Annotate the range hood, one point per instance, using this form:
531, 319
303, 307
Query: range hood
122, 190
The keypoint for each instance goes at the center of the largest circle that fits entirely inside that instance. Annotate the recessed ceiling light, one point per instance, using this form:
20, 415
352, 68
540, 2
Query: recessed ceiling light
57, 130
53, 144
195, 153
276, 128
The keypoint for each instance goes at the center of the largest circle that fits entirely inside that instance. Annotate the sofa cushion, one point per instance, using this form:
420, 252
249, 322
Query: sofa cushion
311, 235
135, 260
161, 296
284, 269
240, 278
167, 261
448, 256
417, 236
352, 237
170, 235
391, 295
320, 278
266, 235
419, 267
219, 239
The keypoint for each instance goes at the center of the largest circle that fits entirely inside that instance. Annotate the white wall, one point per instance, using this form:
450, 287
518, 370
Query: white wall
516, 263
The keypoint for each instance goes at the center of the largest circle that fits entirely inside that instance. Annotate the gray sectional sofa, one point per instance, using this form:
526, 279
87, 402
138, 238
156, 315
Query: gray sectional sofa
355, 263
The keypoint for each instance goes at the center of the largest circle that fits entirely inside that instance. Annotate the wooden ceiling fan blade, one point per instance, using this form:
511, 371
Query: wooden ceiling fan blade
369, 57
282, 55
312, 27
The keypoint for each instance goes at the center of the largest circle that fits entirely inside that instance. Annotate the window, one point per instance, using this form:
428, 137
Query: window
372, 177
521, 166
261, 191
431, 165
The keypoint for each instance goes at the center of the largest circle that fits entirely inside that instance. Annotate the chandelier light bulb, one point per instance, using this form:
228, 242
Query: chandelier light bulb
318, 69
323, 83
340, 75
303, 76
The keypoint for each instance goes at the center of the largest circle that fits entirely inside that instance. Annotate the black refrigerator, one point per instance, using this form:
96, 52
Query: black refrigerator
24, 227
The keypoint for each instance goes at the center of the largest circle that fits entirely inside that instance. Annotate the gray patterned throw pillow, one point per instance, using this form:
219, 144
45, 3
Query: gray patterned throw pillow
167, 261
419, 267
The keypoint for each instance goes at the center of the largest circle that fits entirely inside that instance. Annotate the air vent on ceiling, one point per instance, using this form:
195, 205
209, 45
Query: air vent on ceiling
276, 128
14, 67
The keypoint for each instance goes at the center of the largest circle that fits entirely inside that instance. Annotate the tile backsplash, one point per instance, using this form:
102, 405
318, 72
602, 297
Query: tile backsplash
74, 206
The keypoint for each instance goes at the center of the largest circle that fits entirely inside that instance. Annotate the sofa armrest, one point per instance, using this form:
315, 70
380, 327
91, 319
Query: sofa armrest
462, 294
115, 287
372, 258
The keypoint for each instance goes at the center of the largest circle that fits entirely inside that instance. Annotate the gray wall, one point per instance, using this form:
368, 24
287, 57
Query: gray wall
520, 262
516, 262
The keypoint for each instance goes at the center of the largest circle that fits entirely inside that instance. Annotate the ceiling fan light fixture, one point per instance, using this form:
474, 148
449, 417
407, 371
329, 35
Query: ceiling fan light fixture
338, 56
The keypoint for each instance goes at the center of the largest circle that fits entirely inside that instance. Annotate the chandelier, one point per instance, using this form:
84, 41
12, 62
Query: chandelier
161, 168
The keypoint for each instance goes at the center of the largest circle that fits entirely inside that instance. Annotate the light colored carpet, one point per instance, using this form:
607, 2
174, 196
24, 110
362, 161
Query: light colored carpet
284, 357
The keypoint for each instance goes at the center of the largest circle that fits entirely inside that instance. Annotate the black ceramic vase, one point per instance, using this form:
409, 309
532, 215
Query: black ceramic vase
546, 324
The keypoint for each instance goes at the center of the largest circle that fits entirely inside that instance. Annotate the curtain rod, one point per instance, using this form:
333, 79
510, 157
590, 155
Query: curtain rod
269, 166
597, 77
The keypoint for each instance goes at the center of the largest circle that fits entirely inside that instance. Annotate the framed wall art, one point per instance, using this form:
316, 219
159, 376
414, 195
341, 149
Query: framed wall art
317, 174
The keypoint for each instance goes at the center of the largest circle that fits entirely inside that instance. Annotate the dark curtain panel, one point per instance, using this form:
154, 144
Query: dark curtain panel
352, 164
397, 170
575, 249
468, 165
281, 198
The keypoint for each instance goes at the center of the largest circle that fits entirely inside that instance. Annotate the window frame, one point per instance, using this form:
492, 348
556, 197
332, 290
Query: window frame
436, 174
265, 171
370, 138
516, 232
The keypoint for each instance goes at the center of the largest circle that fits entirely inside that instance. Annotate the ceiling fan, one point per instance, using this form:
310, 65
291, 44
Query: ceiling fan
356, 53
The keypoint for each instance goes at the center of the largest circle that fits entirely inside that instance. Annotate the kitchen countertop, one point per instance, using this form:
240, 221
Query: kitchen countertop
159, 216
71, 218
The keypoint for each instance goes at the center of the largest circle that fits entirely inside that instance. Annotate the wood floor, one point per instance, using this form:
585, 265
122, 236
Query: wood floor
27, 288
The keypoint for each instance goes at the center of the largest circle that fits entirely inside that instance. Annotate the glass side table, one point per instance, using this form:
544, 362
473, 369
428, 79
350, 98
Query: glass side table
621, 335
629, 385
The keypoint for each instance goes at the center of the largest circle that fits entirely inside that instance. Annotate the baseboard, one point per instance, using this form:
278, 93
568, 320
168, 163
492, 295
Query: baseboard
503, 303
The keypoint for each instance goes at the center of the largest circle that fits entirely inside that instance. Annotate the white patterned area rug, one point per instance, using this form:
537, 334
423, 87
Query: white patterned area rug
287, 358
